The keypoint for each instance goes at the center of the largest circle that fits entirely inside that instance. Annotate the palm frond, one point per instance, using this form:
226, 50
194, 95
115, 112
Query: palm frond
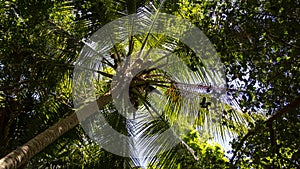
124, 42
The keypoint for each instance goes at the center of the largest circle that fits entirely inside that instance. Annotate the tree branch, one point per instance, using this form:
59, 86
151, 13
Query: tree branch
287, 108
239, 146
190, 150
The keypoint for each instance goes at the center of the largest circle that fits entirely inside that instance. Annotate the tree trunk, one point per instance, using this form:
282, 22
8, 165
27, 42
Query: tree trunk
24, 153
131, 6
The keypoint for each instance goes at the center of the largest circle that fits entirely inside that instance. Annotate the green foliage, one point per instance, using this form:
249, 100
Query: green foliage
33, 70
209, 155
258, 42
273, 146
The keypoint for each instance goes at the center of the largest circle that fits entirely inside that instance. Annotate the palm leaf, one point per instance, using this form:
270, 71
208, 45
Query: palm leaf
191, 86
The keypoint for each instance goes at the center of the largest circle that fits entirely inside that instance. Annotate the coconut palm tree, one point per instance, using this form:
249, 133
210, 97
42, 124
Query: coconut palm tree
157, 97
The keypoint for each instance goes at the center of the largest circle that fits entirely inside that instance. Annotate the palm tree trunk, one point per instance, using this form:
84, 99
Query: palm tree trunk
24, 153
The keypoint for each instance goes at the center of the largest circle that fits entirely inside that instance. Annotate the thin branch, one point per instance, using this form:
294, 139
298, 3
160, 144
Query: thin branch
240, 145
287, 108
271, 36
272, 138
190, 150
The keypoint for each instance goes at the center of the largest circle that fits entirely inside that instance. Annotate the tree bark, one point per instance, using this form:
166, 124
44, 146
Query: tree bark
24, 153
131, 6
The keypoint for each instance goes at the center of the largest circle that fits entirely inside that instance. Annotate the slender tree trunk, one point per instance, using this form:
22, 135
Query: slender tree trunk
24, 153
131, 6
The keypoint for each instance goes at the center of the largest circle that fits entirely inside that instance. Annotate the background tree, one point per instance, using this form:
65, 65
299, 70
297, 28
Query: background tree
259, 44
